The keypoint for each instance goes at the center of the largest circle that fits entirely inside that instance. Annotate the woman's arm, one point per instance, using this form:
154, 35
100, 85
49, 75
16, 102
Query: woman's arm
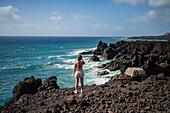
74, 68
82, 62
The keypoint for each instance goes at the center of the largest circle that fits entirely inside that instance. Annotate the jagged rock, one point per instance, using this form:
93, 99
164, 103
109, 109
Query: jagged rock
161, 76
102, 73
113, 65
28, 86
94, 58
49, 83
109, 53
87, 52
101, 66
112, 68
153, 57
100, 48
123, 69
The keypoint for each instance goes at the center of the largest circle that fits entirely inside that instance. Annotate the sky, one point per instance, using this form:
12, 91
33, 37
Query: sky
84, 17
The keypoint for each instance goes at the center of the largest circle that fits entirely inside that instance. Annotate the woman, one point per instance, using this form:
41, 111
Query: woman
78, 73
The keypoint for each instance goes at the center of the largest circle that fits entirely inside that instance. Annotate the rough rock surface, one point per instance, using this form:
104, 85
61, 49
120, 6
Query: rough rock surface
120, 94
28, 86
103, 73
94, 58
152, 56
49, 83
100, 48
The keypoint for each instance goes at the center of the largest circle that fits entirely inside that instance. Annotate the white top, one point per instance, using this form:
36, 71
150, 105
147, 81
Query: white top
79, 73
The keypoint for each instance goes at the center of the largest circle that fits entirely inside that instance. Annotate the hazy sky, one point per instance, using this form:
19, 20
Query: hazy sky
84, 17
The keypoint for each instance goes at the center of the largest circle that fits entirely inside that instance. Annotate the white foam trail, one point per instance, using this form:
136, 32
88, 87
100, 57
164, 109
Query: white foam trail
63, 66
39, 58
75, 52
55, 56
52, 57
96, 81
69, 60
4, 68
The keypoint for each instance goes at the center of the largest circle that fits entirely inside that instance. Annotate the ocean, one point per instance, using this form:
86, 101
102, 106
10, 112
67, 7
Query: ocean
43, 57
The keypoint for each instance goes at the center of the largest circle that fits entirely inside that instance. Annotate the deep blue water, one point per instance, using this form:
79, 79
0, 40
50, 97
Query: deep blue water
43, 57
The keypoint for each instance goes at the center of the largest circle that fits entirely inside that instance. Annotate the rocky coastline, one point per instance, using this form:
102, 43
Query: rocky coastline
152, 56
165, 36
121, 93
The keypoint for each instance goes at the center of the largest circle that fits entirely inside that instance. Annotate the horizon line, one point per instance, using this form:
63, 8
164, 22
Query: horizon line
55, 36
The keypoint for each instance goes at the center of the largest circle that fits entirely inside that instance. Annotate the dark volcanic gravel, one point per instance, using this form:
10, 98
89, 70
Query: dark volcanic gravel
120, 94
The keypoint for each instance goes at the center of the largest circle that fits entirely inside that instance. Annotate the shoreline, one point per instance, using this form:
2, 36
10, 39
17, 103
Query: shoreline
165, 36
121, 93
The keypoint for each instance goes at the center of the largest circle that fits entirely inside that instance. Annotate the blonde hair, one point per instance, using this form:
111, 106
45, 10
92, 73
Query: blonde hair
79, 66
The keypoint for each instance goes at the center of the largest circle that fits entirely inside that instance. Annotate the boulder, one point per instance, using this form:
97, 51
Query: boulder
28, 86
49, 83
94, 58
102, 73
135, 72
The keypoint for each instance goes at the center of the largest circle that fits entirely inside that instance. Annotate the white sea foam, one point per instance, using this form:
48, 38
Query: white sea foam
49, 57
39, 58
63, 66
92, 78
76, 52
55, 56
3, 68
91, 65
69, 60
96, 80
91, 49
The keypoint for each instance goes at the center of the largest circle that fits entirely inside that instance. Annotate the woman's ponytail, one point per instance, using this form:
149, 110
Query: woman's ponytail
79, 66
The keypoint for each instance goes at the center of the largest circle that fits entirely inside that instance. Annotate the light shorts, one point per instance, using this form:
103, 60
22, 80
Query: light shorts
79, 74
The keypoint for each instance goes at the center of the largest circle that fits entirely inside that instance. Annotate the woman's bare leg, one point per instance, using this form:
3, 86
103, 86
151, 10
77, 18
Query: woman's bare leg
77, 82
81, 80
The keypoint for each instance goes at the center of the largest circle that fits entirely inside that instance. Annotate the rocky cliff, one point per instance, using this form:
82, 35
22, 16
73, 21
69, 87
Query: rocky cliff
152, 56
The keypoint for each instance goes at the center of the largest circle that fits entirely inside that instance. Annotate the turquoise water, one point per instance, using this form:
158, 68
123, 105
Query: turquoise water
43, 57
